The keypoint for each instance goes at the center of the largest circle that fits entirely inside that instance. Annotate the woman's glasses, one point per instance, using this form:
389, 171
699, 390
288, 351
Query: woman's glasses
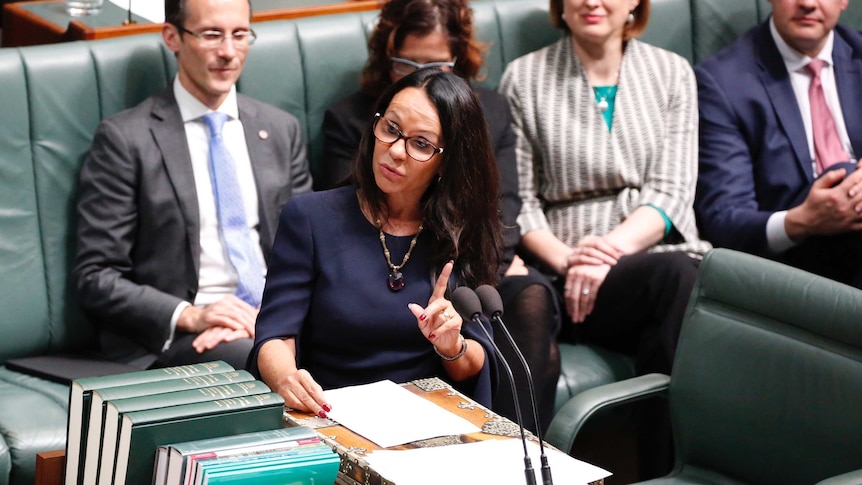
406, 66
417, 147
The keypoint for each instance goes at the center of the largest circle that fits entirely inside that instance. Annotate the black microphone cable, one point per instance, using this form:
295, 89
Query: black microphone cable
492, 305
467, 304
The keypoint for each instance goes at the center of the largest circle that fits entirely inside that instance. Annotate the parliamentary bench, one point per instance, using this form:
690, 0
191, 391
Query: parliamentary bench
52, 97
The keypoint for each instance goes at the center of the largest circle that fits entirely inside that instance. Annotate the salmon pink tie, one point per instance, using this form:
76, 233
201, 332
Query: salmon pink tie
827, 144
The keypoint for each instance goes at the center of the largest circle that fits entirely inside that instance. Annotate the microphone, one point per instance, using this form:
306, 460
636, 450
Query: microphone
492, 304
467, 304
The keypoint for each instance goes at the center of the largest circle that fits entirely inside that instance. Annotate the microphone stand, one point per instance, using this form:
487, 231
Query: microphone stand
490, 297
129, 20
467, 305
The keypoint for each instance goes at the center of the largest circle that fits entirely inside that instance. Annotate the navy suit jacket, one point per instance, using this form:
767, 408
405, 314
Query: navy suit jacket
754, 155
138, 239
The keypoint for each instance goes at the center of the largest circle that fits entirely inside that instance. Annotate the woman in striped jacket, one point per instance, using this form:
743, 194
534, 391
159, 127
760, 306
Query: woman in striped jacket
606, 151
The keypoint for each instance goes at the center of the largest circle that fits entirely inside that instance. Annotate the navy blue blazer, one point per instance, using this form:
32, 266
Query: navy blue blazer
754, 155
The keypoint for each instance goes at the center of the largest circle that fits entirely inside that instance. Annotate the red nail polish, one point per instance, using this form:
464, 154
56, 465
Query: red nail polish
432, 336
322, 413
423, 317
327, 408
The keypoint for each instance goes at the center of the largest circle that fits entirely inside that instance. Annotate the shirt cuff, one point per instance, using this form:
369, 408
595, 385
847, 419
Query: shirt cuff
668, 225
776, 235
176, 316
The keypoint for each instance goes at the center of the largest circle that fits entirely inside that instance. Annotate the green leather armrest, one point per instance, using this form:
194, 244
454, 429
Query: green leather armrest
849, 478
572, 416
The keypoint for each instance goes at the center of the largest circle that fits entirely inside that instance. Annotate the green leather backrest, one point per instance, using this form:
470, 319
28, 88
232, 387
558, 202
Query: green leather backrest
670, 28
334, 50
767, 379
716, 23
23, 295
522, 27
69, 89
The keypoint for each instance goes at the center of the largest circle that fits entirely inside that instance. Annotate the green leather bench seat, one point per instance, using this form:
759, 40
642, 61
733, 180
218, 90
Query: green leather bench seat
54, 96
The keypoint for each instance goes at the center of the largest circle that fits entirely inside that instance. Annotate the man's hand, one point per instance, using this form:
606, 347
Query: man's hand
230, 312
209, 338
832, 206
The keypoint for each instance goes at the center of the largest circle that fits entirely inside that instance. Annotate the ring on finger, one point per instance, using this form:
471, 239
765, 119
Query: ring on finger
585, 292
446, 315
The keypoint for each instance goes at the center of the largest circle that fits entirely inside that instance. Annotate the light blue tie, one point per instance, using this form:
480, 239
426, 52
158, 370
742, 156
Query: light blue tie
231, 215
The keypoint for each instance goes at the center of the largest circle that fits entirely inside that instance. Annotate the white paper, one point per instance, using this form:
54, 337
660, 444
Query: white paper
152, 10
490, 461
389, 415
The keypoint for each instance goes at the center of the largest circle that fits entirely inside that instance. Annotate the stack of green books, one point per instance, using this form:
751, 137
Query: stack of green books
292, 455
116, 422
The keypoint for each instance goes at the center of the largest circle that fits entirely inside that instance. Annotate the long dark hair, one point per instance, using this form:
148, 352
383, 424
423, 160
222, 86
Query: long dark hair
461, 208
400, 18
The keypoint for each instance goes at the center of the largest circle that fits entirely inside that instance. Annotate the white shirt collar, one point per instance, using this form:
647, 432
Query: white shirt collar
795, 60
192, 109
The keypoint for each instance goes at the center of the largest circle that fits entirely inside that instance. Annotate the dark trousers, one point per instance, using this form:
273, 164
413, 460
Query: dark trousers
639, 311
181, 352
837, 257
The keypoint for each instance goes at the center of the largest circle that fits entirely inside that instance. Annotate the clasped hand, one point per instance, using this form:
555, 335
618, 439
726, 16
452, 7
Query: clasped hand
225, 320
833, 205
587, 266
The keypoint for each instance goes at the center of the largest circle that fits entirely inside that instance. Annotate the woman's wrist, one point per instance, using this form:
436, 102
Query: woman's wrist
456, 356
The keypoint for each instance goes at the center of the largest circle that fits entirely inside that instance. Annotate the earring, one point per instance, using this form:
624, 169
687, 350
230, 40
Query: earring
563, 17
631, 17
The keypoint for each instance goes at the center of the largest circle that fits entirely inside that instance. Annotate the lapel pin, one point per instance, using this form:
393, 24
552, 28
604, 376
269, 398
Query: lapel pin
263, 134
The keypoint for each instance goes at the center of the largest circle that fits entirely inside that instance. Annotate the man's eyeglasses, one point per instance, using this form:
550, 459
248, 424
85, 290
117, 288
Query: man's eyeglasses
417, 147
406, 66
212, 39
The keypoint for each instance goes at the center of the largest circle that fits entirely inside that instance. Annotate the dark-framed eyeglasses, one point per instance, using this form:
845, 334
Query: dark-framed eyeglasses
212, 39
417, 147
406, 66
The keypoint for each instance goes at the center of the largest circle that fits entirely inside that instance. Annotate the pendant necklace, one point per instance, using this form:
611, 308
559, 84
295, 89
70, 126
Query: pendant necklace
602, 94
396, 282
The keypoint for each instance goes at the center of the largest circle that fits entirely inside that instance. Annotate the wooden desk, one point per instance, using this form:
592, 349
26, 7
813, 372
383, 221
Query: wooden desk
46, 22
353, 447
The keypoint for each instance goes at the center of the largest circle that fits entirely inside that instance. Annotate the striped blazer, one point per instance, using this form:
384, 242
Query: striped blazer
577, 178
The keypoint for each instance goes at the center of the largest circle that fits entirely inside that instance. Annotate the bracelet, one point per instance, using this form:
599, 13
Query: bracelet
456, 356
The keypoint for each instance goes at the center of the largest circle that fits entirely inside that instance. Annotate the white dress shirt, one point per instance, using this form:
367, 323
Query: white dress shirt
217, 277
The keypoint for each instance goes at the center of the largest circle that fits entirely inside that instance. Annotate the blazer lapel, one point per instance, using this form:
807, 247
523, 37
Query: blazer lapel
260, 152
848, 79
170, 136
773, 74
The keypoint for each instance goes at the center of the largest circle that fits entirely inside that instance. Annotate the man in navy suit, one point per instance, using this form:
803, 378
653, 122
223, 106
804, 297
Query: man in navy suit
761, 188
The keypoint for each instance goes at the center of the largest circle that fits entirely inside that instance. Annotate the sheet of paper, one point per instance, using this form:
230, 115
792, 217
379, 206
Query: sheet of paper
152, 10
389, 415
490, 461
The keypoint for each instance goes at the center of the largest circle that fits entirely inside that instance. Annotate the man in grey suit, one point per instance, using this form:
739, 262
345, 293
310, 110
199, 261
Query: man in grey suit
156, 267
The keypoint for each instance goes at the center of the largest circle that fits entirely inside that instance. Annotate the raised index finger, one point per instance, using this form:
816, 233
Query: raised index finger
442, 282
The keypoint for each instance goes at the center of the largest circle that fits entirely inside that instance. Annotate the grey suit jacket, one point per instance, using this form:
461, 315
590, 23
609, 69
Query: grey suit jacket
138, 239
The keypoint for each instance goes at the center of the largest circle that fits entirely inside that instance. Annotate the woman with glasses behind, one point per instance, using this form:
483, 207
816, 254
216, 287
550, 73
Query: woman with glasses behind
422, 34
359, 285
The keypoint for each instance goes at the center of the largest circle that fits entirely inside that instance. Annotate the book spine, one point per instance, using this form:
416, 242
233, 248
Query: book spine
169, 385
150, 375
177, 398
142, 432
80, 392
